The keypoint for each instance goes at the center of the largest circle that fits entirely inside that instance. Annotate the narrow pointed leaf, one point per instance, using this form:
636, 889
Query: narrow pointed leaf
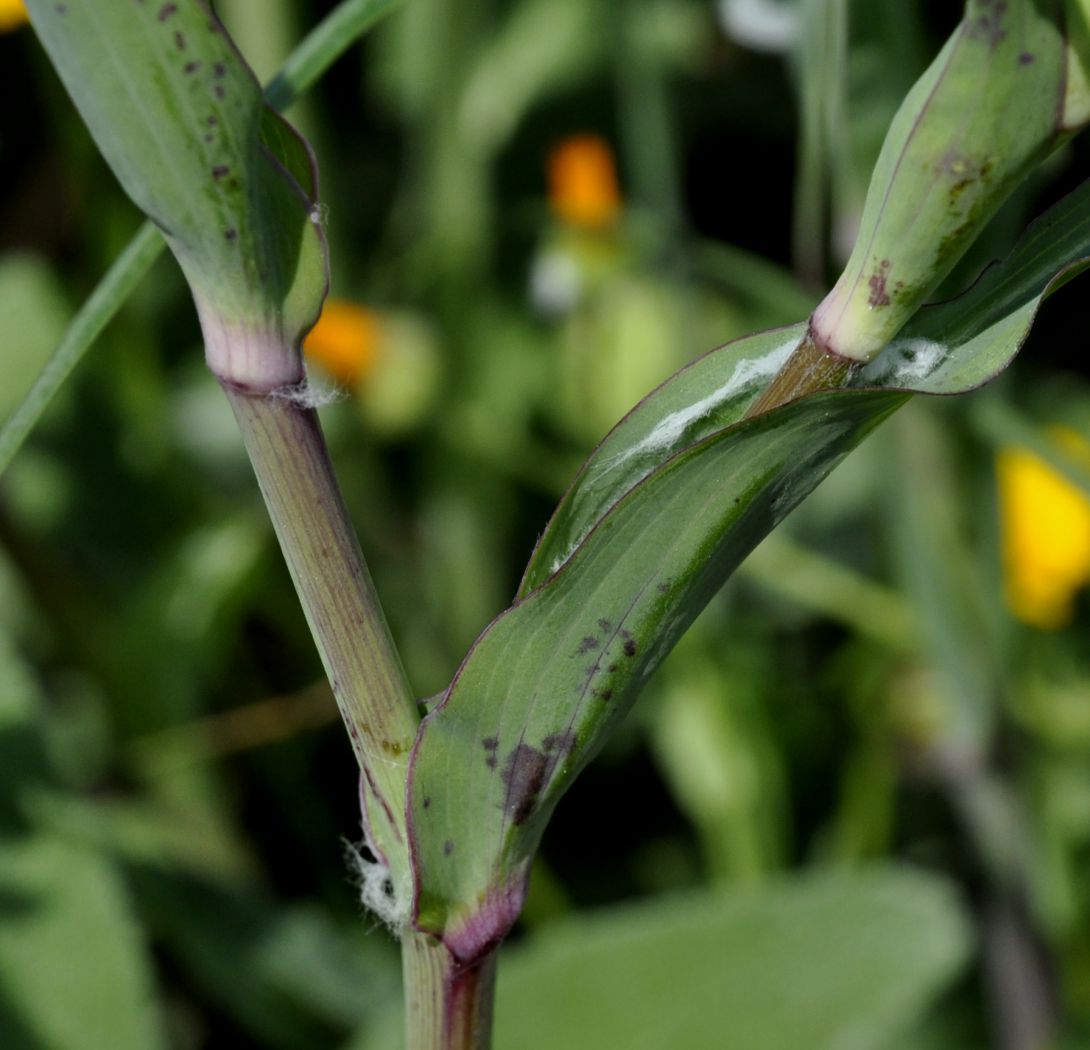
664, 510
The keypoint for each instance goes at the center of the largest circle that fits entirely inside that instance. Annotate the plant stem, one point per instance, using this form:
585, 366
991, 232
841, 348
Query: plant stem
447, 1006
809, 370
285, 444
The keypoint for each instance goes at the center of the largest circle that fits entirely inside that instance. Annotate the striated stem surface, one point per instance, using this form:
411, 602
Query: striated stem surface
285, 444
447, 1006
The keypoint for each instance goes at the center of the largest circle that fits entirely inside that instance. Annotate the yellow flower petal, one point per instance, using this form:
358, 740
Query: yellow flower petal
1046, 534
583, 186
12, 15
344, 341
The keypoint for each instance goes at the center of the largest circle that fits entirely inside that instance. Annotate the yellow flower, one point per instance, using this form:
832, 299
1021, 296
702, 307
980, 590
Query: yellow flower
344, 341
12, 15
583, 188
1046, 533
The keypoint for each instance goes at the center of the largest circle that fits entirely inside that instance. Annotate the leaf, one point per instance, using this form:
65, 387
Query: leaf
667, 506
180, 118
317, 51
828, 962
986, 112
821, 963
73, 971
85, 328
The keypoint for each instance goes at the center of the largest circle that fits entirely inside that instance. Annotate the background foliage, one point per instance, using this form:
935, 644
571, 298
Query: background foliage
897, 680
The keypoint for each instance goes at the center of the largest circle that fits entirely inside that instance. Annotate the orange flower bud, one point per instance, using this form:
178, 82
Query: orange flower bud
344, 342
583, 188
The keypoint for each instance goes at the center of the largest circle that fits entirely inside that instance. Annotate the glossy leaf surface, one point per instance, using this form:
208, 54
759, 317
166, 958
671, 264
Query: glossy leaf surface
663, 511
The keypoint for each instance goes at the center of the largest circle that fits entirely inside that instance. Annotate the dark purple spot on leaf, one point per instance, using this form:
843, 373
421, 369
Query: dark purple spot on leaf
490, 743
877, 285
524, 774
587, 644
191, 67
605, 625
427, 801
448, 848
988, 26
231, 234
218, 91
220, 171
612, 668
179, 40
604, 694
1025, 59
219, 70
630, 648
211, 120
562, 741
166, 11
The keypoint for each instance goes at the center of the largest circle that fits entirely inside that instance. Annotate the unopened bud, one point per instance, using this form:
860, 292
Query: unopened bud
994, 103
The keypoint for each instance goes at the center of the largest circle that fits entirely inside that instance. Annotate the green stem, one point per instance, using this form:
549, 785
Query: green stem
447, 1006
288, 453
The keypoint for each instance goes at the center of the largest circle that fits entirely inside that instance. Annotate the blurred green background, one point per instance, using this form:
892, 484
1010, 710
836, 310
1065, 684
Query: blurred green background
852, 811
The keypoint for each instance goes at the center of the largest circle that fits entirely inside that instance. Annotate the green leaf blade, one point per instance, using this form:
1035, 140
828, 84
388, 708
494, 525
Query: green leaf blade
318, 50
616, 578
178, 115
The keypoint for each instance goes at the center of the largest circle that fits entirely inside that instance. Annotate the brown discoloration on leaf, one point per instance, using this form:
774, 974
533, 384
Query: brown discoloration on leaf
877, 283
988, 25
562, 741
524, 775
